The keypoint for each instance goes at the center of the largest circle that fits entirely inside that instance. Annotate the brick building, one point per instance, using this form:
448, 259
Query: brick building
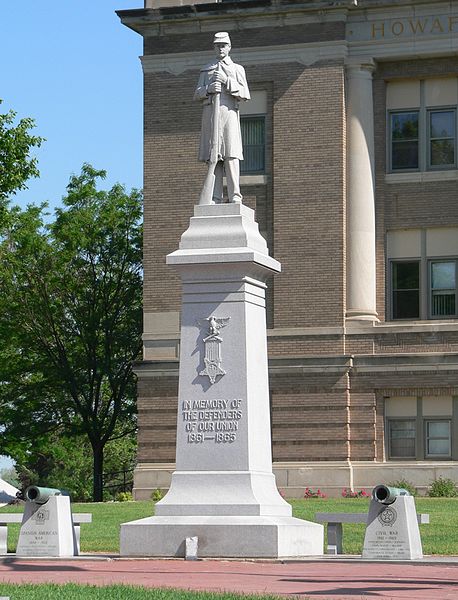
351, 166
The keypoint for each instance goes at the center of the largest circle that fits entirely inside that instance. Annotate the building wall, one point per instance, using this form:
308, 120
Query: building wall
331, 378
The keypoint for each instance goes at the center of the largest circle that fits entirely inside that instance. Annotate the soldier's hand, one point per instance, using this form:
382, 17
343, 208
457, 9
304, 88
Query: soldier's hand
220, 77
214, 88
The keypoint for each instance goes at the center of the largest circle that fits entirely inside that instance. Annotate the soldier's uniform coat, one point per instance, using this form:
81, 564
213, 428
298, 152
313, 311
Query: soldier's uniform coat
234, 90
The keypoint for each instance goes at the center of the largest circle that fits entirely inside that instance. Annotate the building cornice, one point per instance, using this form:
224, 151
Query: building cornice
248, 14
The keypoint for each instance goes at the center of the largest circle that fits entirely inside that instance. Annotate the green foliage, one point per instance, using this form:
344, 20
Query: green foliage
66, 463
70, 320
442, 488
71, 591
124, 497
311, 493
349, 493
11, 476
16, 164
157, 495
406, 485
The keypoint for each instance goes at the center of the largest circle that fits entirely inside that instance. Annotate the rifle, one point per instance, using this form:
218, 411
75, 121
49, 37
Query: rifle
206, 195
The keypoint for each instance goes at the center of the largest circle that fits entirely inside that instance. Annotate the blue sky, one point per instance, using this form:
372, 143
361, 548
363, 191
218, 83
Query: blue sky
74, 68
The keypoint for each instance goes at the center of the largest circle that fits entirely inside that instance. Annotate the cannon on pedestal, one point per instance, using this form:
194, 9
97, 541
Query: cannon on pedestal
47, 526
392, 527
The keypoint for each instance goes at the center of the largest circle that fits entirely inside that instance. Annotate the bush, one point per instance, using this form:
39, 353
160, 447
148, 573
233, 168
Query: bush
310, 493
349, 493
124, 497
442, 488
406, 485
157, 495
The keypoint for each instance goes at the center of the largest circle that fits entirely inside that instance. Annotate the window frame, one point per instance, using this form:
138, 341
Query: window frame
254, 116
429, 111
388, 422
392, 261
392, 112
443, 259
424, 137
426, 437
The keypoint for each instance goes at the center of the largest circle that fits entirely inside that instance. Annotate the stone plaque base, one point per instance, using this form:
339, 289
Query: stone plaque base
222, 537
392, 531
47, 529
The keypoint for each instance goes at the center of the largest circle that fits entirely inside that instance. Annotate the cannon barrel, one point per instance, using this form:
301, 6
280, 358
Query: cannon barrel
40, 495
386, 494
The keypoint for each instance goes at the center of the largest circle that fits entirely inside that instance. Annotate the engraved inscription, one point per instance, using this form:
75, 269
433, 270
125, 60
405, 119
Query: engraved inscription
404, 27
214, 421
387, 544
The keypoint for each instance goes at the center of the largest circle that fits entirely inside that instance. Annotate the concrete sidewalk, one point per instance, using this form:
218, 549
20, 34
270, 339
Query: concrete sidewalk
342, 579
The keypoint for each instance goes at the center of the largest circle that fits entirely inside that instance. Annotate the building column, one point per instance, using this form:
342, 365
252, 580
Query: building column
361, 297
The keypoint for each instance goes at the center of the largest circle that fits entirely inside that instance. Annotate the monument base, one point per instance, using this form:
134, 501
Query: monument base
223, 493
222, 537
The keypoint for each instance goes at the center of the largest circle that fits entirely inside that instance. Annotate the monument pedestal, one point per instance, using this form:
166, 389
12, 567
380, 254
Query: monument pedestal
47, 529
223, 490
392, 531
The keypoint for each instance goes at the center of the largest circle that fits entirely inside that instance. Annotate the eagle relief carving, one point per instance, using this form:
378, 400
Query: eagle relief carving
212, 342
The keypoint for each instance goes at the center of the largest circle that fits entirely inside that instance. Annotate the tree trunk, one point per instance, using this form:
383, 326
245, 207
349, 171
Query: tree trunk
97, 488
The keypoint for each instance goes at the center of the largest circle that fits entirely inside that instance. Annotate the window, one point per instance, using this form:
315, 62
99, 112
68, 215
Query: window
442, 138
422, 273
419, 145
401, 435
253, 138
405, 289
404, 140
422, 124
443, 288
438, 442
421, 427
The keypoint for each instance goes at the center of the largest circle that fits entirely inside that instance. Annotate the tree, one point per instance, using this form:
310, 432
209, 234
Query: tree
72, 319
64, 462
16, 164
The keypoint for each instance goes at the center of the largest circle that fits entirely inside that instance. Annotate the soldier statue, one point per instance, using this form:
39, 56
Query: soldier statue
222, 85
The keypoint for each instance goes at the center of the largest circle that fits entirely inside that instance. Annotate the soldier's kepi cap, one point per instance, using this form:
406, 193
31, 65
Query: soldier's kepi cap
222, 37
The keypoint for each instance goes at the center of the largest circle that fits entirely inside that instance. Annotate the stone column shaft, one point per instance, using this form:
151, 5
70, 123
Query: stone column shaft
361, 273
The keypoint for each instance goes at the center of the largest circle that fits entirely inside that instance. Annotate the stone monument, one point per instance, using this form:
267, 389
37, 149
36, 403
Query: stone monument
223, 491
47, 527
392, 531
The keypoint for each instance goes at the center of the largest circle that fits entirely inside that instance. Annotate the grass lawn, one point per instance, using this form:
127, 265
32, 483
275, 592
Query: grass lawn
112, 592
439, 537
102, 535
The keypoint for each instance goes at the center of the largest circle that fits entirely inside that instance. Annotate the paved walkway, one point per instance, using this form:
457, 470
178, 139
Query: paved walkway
318, 580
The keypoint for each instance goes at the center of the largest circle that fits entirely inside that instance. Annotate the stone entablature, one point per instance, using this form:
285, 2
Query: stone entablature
372, 22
